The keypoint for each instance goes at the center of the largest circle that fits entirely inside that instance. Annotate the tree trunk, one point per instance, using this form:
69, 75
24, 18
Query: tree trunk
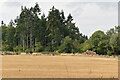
23, 44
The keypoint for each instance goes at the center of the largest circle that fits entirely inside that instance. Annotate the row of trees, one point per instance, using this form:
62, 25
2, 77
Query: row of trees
32, 31
104, 43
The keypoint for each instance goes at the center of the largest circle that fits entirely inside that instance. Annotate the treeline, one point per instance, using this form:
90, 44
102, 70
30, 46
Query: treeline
32, 31
104, 43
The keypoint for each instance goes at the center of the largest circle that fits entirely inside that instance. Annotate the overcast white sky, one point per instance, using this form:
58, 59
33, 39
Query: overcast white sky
89, 15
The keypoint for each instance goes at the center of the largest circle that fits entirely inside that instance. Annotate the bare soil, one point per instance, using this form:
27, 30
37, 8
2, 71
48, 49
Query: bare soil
29, 66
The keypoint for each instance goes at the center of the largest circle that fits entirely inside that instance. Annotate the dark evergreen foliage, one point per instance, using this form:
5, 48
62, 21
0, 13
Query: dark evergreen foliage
33, 31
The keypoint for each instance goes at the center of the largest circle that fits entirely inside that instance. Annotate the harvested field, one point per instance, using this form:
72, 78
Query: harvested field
29, 66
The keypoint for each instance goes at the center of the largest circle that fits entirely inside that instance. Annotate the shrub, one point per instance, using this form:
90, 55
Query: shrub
66, 46
38, 48
109, 53
5, 47
28, 51
17, 49
48, 48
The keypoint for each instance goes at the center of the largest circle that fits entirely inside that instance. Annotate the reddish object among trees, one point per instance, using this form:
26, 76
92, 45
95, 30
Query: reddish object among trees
90, 53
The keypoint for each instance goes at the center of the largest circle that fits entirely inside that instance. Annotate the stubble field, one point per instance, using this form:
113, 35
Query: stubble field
29, 66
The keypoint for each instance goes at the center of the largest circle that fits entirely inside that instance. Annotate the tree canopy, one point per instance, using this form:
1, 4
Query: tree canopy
33, 31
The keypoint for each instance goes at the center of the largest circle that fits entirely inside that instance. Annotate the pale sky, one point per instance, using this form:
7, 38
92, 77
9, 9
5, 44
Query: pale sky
89, 15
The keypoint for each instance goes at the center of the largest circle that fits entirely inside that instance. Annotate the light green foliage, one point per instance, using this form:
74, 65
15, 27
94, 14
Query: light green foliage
98, 42
87, 46
5, 47
114, 44
103, 46
66, 46
38, 47
76, 46
48, 48
29, 51
109, 53
114, 40
18, 49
